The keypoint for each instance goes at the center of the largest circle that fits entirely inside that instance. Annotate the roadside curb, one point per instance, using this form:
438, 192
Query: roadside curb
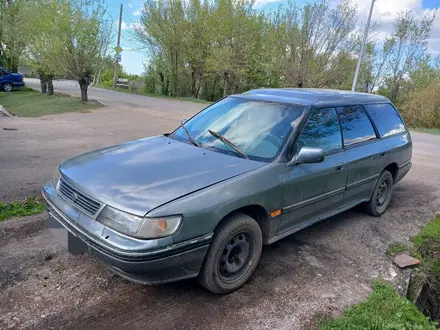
5, 112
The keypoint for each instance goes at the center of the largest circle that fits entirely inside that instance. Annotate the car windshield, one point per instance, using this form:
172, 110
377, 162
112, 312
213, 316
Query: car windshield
259, 129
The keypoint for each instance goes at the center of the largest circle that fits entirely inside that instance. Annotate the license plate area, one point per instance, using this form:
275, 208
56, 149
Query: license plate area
72, 243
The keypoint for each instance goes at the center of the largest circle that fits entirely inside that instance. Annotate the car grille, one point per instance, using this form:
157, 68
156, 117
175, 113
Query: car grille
83, 202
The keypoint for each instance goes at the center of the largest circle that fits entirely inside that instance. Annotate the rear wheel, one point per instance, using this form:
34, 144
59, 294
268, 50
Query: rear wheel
233, 255
7, 87
381, 195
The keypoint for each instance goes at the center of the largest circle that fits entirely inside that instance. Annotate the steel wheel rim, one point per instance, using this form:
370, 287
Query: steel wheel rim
235, 257
382, 193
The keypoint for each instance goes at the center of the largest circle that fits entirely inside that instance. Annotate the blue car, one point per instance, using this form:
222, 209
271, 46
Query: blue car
9, 80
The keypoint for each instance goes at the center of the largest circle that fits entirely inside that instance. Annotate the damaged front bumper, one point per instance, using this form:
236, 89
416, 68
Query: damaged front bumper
151, 261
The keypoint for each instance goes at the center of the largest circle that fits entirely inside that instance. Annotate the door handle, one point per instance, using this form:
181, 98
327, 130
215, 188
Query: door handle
339, 168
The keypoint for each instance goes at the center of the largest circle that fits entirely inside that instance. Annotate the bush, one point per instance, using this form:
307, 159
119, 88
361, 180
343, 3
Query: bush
422, 107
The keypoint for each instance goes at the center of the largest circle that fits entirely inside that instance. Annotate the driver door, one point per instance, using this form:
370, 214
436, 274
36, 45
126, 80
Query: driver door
314, 190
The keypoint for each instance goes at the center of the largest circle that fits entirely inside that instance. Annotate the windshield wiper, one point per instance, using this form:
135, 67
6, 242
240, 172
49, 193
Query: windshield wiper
226, 141
189, 135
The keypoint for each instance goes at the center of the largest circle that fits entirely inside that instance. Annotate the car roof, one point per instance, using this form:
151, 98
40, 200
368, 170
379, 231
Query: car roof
312, 96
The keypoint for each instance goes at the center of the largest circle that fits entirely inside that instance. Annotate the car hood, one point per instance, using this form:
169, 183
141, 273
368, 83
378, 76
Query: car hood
141, 175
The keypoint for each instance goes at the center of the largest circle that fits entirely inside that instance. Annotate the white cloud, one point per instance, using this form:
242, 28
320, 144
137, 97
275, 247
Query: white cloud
259, 3
124, 25
137, 12
385, 12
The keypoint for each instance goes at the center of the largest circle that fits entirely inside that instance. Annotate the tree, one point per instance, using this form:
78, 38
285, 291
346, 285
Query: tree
82, 33
408, 45
42, 46
14, 17
313, 41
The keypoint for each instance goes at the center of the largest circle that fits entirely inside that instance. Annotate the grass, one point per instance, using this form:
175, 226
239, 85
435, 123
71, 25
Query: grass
30, 206
396, 248
384, 309
30, 103
427, 247
126, 90
427, 130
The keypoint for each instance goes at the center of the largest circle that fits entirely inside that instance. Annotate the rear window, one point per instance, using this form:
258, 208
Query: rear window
386, 119
356, 127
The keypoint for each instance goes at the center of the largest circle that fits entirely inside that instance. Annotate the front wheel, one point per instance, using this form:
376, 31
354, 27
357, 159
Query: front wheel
381, 195
7, 87
233, 255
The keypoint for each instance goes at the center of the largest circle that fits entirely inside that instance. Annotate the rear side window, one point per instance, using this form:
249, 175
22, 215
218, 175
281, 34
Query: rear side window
356, 126
386, 119
321, 130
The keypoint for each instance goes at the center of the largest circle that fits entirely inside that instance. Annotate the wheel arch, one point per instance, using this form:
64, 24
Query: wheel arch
259, 214
393, 169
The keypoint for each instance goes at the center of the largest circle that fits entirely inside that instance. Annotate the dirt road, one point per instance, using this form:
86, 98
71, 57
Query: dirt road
316, 272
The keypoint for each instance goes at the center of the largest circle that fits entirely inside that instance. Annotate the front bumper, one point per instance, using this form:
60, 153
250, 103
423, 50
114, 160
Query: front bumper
146, 266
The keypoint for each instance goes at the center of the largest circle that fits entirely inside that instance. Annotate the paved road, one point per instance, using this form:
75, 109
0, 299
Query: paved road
318, 271
114, 98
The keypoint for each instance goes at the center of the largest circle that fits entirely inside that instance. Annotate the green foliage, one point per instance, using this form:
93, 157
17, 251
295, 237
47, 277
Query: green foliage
34, 104
427, 247
396, 248
383, 310
422, 107
217, 48
14, 32
30, 206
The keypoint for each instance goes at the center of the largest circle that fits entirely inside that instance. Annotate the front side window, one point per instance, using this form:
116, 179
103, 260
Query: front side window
321, 130
356, 126
259, 129
386, 119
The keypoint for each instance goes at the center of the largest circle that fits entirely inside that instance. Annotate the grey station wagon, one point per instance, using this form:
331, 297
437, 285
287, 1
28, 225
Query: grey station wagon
246, 171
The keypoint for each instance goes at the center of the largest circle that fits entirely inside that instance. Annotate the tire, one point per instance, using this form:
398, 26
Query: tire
380, 199
233, 255
7, 87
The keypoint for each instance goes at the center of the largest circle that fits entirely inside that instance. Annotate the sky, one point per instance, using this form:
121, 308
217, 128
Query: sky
384, 12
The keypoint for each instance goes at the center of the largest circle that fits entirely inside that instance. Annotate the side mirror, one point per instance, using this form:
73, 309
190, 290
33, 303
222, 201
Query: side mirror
308, 155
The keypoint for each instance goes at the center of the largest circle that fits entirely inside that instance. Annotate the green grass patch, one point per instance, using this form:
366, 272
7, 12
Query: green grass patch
427, 247
30, 206
396, 248
30, 103
426, 130
126, 90
384, 309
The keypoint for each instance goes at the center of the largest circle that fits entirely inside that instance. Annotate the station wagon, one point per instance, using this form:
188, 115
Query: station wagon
246, 171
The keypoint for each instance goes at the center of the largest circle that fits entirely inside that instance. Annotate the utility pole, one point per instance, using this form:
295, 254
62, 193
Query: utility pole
358, 66
115, 75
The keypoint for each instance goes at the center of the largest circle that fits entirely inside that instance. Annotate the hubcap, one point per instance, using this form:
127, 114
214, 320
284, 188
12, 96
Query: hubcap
235, 257
8, 87
382, 193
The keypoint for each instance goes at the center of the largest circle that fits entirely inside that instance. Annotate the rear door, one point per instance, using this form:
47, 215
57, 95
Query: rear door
313, 190
365, 153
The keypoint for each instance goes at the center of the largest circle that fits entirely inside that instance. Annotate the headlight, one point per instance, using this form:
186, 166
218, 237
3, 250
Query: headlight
56, 179
135, 226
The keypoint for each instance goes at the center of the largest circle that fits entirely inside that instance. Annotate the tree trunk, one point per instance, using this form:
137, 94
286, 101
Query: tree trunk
49, 86
43, 84
394, 91
83, 85
225, 86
